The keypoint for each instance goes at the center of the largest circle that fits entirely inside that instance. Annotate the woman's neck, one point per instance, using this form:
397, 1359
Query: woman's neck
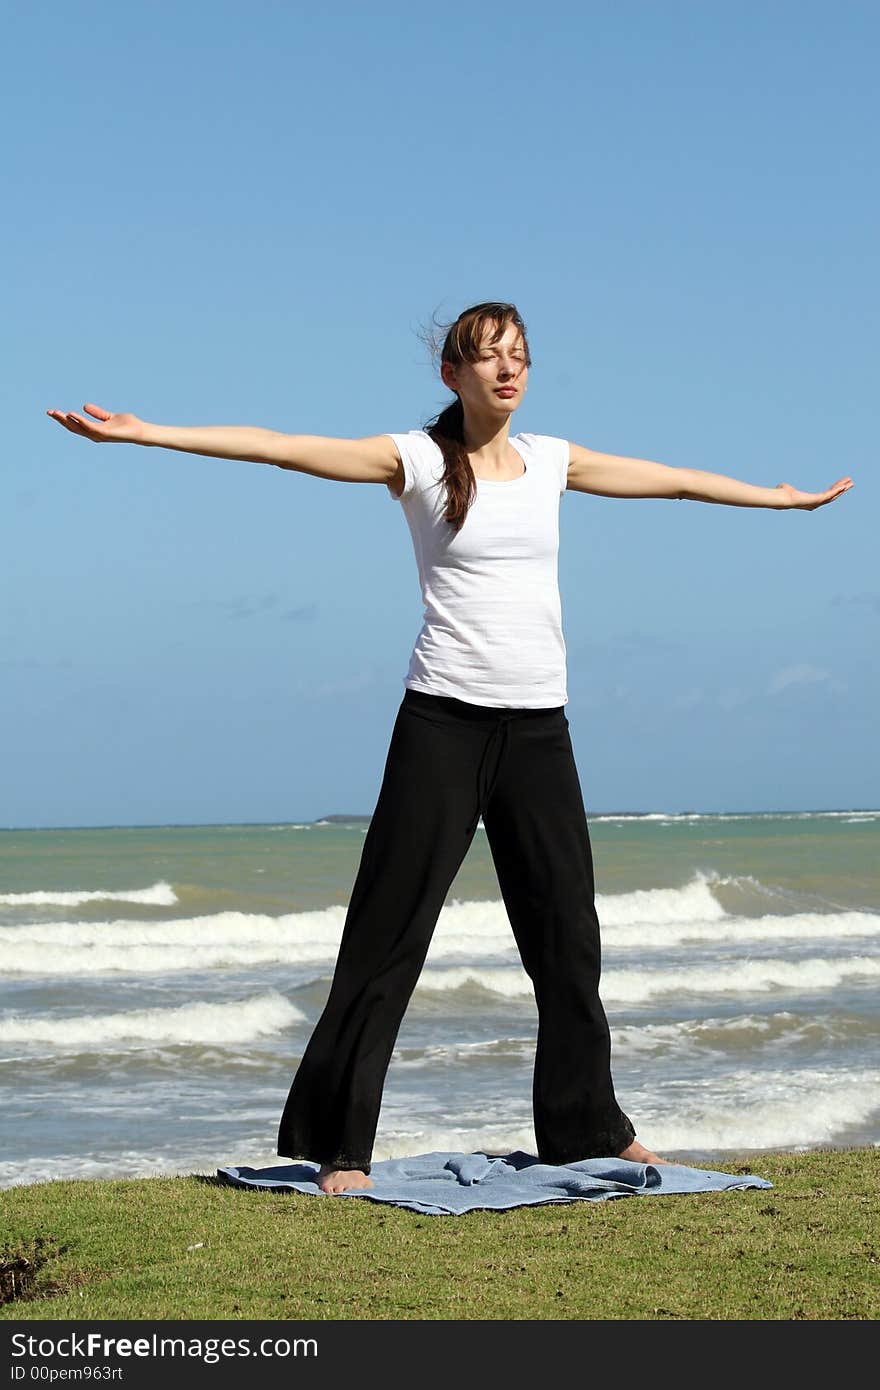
487, 441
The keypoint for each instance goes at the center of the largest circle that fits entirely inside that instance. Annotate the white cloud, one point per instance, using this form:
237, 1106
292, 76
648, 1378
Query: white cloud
688, 699
802, 674
732, 696
869, 599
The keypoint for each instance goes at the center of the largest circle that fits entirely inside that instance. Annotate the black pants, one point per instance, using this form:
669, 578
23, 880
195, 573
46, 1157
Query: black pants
448, 762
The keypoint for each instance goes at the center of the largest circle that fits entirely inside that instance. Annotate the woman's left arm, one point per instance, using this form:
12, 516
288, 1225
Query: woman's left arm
611, 475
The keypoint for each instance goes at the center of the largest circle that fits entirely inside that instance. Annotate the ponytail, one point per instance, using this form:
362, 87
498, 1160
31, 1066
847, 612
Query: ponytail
447, 431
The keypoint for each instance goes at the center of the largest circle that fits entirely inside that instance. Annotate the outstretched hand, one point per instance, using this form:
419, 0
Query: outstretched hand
807, 501
104, 428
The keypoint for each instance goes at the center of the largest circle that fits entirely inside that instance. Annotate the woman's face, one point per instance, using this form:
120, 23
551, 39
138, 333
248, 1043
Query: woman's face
496, 381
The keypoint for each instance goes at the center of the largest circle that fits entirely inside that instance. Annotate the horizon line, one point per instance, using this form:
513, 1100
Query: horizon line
342, 819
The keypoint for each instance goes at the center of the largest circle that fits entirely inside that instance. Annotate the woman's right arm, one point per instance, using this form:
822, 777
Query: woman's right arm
374, 459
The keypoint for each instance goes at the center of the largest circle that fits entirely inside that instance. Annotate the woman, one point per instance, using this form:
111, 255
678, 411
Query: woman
481, 730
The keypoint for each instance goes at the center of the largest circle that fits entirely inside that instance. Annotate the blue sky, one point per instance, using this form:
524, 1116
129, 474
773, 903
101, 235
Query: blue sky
242, 214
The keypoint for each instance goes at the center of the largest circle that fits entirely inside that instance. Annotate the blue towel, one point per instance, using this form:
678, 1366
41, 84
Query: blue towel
447, 1184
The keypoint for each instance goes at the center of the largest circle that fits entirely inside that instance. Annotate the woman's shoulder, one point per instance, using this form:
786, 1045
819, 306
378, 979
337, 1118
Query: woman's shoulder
552, 451
414, 439
422, 461
549, 442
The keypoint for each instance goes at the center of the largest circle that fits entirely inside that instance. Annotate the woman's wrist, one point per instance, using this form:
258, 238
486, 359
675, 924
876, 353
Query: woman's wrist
138, 433
701, 486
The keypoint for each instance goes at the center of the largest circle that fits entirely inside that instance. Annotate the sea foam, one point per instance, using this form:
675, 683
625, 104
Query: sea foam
229, 1024
638, 986
469, 930
157, 895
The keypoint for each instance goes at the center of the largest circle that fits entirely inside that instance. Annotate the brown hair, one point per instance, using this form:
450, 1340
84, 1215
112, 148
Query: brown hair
461, 343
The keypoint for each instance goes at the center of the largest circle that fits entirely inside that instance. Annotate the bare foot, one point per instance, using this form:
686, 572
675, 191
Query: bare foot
637, 1153
340, 1179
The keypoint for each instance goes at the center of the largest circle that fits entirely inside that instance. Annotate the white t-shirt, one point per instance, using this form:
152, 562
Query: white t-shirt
492, 630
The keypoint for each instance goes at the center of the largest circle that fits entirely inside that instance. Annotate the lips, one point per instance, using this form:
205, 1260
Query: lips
505, 391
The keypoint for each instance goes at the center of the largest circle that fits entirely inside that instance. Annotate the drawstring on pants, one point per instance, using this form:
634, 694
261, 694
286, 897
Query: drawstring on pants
487, 773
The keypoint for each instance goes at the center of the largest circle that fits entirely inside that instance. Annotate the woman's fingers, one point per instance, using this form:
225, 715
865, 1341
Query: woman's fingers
66, 418
842, 485
97, 410
100, 425
836, 490
808, 501
80, 424
83, 425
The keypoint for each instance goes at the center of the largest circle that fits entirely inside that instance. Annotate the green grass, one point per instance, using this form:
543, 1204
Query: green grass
189, 1248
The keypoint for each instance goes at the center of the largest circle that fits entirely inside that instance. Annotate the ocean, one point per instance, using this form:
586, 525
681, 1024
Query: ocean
158, 986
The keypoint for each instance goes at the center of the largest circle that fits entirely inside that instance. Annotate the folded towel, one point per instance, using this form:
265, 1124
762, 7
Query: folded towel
447, 1184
